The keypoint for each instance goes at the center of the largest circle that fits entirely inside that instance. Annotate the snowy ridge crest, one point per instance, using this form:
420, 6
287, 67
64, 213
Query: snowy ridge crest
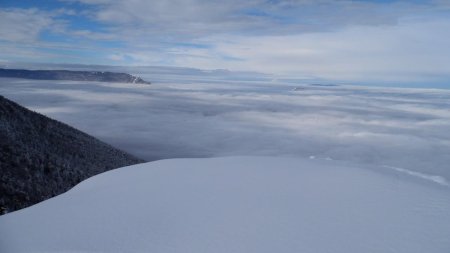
433, 178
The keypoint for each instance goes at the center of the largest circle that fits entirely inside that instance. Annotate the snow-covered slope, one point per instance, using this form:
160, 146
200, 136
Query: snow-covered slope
240, 204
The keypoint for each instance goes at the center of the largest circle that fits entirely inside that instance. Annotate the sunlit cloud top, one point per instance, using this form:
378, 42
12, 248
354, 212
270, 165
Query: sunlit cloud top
345, 40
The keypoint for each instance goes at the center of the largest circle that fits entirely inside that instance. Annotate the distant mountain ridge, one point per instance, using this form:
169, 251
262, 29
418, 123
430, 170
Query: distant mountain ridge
99, 76
41, 157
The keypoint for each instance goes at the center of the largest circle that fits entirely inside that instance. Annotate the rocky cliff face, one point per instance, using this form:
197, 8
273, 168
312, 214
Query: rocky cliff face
72, 75
41, 157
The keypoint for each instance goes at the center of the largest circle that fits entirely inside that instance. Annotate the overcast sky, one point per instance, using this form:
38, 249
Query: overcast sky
344, 40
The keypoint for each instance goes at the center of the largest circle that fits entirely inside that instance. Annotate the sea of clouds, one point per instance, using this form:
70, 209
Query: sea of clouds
195, 116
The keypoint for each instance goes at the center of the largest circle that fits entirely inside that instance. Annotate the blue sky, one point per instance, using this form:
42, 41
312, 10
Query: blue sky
355, 41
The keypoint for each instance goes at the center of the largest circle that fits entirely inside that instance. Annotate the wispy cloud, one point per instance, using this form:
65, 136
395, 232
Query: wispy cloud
337, 40
23, 25
409, 52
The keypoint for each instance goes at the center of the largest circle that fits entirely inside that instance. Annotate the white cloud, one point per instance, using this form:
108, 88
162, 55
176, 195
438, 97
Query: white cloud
411, 51
345, 41
19, 25
200, 117
193, 18
92, 35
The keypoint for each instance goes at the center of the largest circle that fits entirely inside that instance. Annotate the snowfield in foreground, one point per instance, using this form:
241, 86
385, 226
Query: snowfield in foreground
238, 204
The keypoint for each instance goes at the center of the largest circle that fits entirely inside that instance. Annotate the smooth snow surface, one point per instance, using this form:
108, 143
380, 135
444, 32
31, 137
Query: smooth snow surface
238, 204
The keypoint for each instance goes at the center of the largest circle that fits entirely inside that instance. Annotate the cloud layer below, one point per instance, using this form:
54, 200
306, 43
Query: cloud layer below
401, 128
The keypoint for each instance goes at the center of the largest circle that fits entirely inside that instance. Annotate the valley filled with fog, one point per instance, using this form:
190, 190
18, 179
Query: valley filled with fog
203, 116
